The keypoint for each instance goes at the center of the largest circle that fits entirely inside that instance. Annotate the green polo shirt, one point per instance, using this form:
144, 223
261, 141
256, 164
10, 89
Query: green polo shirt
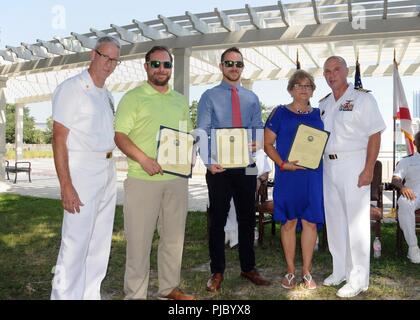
140, 114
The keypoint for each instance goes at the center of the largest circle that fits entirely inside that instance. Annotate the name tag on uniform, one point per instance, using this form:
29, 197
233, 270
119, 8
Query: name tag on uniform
347, 106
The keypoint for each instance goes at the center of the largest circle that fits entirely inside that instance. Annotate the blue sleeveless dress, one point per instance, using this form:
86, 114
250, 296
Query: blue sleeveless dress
297, 194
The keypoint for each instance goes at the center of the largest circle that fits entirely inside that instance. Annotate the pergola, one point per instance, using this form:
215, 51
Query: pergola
269, 37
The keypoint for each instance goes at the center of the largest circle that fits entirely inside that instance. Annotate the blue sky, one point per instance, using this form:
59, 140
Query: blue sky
26, 21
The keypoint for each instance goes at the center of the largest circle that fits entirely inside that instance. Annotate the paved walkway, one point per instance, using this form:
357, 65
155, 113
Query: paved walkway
45, 185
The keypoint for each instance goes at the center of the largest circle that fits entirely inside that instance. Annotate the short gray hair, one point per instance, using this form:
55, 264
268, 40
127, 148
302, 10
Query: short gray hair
107, 39
298, 76
341, 59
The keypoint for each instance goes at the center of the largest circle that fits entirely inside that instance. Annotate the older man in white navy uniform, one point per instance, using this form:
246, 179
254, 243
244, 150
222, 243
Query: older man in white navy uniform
408, 169
83, 140
355, 123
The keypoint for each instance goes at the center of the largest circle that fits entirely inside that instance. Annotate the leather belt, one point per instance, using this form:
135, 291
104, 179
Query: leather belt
344, 155
90, 155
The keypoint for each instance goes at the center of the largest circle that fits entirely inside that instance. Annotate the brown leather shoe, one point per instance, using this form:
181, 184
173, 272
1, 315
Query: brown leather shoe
255, 278
215, 282
178, 294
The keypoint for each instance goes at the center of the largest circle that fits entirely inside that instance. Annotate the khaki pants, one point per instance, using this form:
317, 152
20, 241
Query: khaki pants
148, 204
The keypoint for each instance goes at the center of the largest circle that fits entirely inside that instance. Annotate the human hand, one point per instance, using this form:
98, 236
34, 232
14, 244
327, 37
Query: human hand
70, 199
151, 166
216, 168
292, 166
253, 146
408, 193
365, 177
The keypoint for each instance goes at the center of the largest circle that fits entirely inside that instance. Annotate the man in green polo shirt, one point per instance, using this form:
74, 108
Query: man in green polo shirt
152, 198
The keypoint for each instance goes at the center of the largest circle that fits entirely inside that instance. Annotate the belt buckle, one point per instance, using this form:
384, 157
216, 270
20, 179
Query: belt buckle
332, 156
109, 155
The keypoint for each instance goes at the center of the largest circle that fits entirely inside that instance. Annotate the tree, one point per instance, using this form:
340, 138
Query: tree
48, 133
30, 133
193, 113
265, 112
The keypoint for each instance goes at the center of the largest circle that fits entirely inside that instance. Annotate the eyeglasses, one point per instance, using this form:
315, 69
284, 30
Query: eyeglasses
155, 64
230, 64
114, 62
302, 86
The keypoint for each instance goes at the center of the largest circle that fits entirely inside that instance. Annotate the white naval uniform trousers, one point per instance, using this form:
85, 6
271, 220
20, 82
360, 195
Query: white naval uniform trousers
407, 218
347, 217
86, 236
409, 169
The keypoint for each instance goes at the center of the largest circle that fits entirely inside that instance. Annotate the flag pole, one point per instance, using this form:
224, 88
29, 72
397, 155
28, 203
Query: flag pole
394, 142
297, 60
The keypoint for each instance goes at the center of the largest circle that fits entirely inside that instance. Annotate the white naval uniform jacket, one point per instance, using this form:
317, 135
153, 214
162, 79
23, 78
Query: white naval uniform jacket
87, 111
409, 169
351, 120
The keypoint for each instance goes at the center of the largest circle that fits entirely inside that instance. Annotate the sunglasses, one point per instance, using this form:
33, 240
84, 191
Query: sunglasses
230, 64
155, 64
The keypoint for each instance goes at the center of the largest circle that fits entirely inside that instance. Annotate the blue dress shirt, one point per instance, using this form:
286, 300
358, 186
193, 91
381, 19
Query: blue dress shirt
215, 110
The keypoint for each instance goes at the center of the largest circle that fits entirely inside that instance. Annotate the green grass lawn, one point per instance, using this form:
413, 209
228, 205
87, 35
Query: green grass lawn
29, 154
30, 239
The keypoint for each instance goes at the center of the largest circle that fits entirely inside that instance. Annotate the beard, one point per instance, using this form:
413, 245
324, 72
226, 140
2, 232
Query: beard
158, 82
232, 76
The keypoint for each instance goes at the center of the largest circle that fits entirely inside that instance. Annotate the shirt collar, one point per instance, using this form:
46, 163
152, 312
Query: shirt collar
226, 85
87, 81
346, 93
150, 90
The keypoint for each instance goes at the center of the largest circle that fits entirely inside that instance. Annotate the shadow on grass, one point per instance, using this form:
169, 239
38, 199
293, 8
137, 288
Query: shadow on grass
30, 230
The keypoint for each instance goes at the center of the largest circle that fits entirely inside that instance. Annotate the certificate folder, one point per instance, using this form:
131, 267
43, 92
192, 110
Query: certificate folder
308, 146
233, 149
175, 152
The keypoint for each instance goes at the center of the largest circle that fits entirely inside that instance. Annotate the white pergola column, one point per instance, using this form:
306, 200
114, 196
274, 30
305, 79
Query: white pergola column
2, 129
19, 131
182, 71
247, 83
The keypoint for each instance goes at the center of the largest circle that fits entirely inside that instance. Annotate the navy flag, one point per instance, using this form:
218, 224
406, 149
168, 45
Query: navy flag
357, 78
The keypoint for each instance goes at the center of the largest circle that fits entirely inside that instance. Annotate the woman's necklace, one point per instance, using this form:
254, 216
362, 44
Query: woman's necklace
299, 111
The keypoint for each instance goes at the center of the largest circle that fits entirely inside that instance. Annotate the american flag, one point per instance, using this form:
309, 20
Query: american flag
357, 79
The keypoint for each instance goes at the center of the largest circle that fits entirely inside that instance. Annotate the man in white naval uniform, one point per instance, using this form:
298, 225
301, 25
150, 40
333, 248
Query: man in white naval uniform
83, 140
355, 123
409, 201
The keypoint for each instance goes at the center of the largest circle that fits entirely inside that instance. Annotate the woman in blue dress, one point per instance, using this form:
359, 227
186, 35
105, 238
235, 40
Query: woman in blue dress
297, 194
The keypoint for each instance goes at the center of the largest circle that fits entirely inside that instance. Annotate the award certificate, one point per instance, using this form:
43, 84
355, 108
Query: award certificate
232, 148
308, 146
175, 152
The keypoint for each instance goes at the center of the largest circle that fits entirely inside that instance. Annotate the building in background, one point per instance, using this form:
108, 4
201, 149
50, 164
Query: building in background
416, 104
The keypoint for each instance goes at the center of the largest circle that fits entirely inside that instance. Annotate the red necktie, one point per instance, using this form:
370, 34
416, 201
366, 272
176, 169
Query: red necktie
236, 108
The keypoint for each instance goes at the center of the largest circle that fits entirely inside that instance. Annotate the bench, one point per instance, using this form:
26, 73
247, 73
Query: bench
20, 166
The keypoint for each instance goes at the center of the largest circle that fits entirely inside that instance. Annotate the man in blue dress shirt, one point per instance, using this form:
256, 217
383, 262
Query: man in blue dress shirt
229, 105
